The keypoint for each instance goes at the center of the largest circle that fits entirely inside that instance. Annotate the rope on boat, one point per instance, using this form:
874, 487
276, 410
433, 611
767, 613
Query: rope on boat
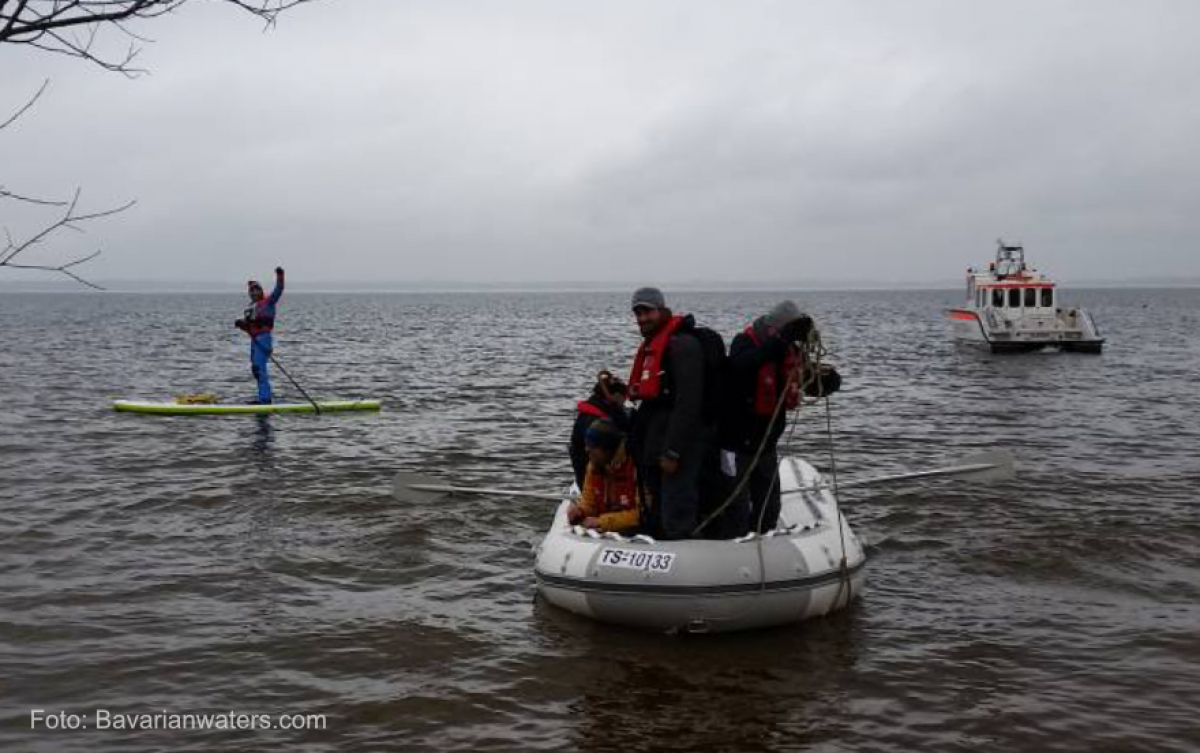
843, 569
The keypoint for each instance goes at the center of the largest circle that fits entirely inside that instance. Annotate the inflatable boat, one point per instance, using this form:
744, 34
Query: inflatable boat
810, 565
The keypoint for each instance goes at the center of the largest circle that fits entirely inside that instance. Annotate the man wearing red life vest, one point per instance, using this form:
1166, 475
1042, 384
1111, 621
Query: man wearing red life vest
671, 436
766, 373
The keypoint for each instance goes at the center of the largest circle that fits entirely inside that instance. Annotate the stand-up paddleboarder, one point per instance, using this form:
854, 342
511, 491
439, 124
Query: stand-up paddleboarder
258, 321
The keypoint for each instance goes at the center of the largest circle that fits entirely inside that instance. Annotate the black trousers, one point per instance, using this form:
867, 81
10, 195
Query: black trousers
674, 500
682, 501
763, 488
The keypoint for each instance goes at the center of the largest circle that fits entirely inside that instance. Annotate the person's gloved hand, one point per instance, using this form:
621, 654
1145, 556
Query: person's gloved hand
798, 329
240, 324
279, 271
827, 382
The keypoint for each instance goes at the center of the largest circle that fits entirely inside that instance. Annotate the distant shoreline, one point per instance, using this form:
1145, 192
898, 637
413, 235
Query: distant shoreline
126, 287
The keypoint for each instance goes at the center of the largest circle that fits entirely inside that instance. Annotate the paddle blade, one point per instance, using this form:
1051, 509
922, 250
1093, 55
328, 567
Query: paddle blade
986, 466
1002, 467
402, 489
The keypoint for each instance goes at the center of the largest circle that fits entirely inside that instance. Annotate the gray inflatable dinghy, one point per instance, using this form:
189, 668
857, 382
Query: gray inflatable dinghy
784, 576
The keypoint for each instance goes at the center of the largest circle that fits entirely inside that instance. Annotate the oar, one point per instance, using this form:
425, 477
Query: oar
295, 384
984, 467
428, 490
988, 466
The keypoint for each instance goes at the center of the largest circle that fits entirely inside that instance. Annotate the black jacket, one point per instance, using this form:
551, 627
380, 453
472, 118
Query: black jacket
673, 424
742, 429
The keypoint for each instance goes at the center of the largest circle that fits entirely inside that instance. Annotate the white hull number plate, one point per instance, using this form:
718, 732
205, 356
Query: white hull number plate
633, 559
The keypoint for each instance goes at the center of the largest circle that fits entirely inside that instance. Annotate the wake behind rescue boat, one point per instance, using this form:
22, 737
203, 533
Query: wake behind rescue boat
1011, 307
810, 565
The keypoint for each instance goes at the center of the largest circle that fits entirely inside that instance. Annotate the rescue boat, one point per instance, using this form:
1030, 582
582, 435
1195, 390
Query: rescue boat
810, 565
1011, 307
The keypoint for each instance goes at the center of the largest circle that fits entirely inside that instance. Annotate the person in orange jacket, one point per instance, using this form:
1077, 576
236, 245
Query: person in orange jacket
609, 500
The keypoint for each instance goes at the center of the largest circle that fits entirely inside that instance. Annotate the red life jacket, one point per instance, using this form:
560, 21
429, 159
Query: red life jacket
588, 409
766, 390
259, 317
645, 380
614, 490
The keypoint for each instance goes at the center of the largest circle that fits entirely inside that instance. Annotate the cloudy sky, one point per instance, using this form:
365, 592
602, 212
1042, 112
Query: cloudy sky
674, 142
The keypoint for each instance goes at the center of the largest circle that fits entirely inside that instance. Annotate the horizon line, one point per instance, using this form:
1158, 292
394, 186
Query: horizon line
217, 287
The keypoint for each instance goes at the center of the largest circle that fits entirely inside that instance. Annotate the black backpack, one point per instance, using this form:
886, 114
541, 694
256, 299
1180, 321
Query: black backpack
716, 368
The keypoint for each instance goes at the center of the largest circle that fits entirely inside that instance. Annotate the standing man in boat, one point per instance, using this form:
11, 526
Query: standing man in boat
767, 376
258, 321
673, 434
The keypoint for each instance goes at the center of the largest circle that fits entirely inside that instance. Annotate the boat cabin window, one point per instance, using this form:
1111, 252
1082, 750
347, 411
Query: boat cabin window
997, 297
1030, 297
1014, 298
1048, 297
980, 297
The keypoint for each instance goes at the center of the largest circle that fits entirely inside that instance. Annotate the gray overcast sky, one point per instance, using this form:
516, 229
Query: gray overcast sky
790, 142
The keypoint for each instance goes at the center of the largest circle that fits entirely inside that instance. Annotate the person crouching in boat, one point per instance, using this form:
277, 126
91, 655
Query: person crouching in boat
607, 401
609, 500
768, 374
258, 322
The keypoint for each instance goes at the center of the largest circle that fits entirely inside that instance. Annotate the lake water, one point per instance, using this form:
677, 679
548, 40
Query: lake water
263, 566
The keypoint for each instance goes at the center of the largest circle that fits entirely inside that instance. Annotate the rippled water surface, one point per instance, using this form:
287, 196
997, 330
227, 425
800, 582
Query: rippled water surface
263, 566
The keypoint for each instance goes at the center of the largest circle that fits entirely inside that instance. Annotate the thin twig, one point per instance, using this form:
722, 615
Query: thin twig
6, 194
64, 269
32, 100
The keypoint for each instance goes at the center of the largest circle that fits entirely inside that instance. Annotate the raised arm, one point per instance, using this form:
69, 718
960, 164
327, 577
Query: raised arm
277, 293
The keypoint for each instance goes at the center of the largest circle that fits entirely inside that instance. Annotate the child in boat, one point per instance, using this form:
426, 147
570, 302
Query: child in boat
609, 499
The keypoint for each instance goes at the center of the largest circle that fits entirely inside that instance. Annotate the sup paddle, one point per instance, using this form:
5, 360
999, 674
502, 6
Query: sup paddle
295, 384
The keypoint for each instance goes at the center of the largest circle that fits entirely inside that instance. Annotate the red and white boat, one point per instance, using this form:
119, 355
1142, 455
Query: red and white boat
1011, 307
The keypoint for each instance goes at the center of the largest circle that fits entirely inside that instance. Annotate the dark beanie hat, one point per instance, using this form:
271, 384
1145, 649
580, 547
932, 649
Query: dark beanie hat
603, 434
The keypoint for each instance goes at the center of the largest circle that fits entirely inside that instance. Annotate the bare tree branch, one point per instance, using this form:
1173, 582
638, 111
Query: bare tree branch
64, 269
72, 27
68, 221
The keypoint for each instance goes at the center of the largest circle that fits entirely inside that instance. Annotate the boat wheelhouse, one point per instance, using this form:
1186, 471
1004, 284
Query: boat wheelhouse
1011, 307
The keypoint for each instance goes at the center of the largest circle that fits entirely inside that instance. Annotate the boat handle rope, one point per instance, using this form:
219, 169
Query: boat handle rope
641, 538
